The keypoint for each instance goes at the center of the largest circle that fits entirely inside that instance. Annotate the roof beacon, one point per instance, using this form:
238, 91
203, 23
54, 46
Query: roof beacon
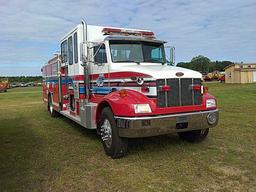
126, 32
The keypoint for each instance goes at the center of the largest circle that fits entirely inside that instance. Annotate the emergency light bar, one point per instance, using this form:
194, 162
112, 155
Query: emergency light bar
114, 31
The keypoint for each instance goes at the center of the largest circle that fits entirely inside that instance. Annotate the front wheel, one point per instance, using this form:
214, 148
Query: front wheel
114, 145
194, 136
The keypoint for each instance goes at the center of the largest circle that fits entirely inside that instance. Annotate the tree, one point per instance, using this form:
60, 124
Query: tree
184, 64
204, 65
200, 63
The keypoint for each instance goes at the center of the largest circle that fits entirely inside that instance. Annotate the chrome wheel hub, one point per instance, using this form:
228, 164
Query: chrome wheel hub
106, 133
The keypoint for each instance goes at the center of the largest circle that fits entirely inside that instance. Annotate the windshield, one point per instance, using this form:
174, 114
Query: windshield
136, 51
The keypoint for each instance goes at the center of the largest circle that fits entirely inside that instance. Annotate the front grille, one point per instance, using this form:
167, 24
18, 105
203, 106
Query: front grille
181, 92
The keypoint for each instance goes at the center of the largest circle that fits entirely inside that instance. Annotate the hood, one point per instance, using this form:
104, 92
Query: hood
157, 71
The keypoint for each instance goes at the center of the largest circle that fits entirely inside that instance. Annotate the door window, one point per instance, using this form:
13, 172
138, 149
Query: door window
99, 53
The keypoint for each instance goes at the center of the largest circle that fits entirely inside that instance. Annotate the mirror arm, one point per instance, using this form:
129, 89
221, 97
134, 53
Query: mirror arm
172, 56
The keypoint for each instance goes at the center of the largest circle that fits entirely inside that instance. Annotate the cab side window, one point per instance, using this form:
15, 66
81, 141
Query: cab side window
64, 51
75, 48
99, 53
70, 51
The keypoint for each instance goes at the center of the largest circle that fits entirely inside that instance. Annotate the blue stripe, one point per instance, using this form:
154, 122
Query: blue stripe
51, 81
81, 90
64, 81
101, 90
97, 90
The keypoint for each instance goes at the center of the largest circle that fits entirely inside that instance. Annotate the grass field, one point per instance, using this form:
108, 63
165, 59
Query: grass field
40, 153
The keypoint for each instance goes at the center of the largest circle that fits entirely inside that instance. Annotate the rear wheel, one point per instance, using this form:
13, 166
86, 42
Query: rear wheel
194, 136
51, 110
114, 145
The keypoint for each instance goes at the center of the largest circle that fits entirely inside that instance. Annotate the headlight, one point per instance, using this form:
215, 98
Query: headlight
142, 108
210, 103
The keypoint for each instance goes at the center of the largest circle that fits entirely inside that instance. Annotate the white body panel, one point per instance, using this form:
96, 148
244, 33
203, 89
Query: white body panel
157, 71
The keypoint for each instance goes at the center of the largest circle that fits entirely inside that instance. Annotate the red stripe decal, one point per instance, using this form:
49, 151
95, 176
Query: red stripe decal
114, 75
119, 75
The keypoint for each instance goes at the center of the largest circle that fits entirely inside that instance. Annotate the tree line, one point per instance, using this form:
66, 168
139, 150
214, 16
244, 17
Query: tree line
204, 65
24, 79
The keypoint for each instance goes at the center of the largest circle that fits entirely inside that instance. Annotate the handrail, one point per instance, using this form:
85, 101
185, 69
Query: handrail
86, 66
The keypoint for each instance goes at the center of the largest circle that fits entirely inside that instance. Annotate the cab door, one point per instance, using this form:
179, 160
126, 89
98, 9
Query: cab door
99, 69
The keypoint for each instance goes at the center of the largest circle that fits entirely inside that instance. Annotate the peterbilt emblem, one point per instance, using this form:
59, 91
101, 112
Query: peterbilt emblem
179, 74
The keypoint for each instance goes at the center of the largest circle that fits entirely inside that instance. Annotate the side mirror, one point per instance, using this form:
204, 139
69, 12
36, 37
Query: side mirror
63, 56
172, 56
83, 53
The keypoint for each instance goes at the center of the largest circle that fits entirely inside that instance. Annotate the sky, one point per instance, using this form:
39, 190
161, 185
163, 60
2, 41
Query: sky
30, 30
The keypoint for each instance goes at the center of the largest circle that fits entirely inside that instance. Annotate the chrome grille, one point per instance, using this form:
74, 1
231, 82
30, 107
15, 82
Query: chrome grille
180, 94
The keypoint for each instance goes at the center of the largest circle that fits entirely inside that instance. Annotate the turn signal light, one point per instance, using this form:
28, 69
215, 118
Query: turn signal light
205, 89
165, 88
122, 93
196, 87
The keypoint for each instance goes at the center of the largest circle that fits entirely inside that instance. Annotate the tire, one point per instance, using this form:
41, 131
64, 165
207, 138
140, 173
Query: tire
114, 146
194, 136
51, 110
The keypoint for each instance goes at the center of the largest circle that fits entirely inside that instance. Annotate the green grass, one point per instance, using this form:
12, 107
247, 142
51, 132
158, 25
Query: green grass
40, 153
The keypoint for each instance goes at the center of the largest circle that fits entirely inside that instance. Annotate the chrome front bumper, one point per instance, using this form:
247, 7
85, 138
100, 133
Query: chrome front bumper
132, 127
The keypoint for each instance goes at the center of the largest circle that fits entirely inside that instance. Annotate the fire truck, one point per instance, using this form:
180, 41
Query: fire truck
118, 81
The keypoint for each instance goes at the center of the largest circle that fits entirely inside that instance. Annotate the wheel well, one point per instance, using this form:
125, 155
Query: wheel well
100, 107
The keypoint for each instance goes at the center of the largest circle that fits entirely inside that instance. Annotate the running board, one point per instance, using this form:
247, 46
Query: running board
87, 115
77, 119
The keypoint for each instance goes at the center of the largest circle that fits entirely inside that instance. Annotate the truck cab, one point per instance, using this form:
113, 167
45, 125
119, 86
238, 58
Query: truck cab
117, 80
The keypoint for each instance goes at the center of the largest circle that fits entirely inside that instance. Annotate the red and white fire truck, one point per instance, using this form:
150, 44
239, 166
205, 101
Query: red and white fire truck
118, 81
